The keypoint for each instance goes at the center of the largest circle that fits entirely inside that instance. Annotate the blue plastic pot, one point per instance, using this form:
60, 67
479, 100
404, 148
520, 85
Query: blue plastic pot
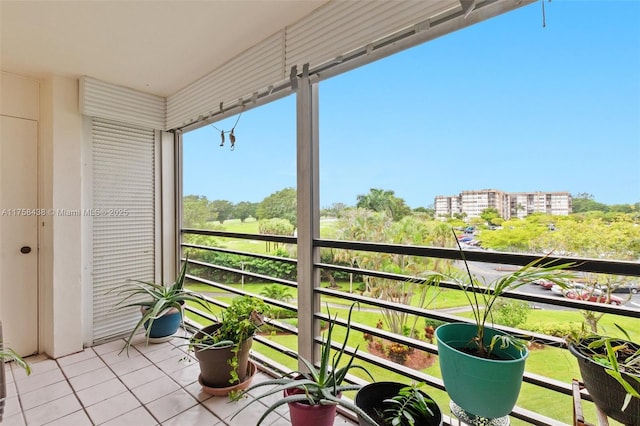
166, 325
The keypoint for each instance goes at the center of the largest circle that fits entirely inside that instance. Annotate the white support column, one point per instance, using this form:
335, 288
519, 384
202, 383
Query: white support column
308, 225
168, 199
178, 175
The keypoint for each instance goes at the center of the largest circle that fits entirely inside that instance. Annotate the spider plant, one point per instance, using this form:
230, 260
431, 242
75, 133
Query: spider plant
8, 354
160, 299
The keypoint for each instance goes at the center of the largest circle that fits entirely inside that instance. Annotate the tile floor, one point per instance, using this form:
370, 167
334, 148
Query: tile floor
99, 386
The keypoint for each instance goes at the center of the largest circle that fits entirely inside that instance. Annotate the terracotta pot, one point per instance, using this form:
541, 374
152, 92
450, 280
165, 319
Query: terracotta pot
302, 414
231, 388
215, 371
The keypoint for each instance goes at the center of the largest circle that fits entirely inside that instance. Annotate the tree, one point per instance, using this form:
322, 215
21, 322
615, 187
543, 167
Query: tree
365, 225
359, 225
584, 202
223, 209
277, 292
195, 211
334, 210
281, 204
275, 226
489, 214
380, 200
428, 211
244, 210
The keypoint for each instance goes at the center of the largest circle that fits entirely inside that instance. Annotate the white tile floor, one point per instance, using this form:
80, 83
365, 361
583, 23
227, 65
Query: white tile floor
100, 386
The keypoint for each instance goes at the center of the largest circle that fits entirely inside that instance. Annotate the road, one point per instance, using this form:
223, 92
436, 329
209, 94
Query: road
491, 272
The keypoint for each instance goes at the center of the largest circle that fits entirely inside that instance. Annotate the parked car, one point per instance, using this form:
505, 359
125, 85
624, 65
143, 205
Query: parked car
556, 289
593, 296
625, 288
546, 284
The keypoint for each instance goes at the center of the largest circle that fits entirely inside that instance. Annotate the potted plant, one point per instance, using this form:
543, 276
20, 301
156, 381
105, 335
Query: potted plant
222, 349
610, 370
7, 355
161, 310
313, 395
482, 367
397, 404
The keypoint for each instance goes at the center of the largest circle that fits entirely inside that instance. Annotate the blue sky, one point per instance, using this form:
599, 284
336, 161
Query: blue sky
505, 104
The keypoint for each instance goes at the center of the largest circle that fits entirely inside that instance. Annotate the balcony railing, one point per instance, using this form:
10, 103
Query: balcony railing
310, 308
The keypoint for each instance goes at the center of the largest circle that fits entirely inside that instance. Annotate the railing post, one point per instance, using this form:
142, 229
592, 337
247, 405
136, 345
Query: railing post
308, 217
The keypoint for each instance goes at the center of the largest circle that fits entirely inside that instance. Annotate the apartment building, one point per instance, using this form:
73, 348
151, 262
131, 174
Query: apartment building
522, 204
471, 204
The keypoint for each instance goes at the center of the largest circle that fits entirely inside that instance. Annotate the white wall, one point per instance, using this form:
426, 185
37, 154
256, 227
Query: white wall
19, 103
62, 255
53, 102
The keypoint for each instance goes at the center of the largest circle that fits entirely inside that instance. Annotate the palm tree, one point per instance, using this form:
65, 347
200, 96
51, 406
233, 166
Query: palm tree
380, 200
277, 292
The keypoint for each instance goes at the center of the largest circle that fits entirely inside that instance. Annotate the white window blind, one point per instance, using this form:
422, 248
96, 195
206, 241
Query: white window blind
101, 99
338, 33
123, 219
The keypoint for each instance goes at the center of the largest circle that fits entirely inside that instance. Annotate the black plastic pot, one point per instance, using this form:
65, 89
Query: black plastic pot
606, 392
369, 398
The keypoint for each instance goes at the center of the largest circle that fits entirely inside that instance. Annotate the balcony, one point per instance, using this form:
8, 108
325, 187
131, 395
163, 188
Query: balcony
156, 385
68, 269
545, 398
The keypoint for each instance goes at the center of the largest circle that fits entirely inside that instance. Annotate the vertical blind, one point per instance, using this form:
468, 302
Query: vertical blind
124, 219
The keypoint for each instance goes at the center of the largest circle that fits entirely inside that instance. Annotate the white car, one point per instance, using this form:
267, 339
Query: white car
556, 289
571, 287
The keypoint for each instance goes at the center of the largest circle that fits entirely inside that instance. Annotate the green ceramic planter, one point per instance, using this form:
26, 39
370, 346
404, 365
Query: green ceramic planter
483, 387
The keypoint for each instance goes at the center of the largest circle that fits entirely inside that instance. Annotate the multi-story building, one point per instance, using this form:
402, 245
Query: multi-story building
471, 204
522, 204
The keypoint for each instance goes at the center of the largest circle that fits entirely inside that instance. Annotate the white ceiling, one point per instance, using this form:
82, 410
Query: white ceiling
154, 46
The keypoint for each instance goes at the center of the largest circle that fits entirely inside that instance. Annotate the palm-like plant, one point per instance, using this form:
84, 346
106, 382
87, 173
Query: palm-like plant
160, 300
319, 385
277, 292
482, 296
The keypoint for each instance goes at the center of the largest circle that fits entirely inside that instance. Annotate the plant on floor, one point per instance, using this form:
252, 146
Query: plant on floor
317, 386
398, 404
237, 324
160, 300
408, 407
8, 354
